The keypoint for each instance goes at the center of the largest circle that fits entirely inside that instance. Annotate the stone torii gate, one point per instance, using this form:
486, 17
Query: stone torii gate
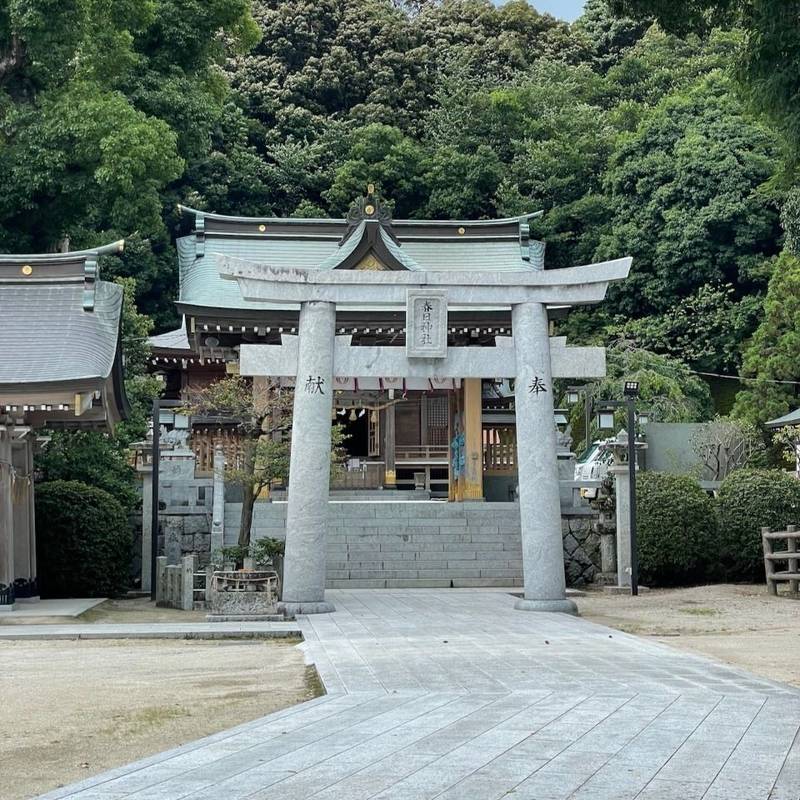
316, 356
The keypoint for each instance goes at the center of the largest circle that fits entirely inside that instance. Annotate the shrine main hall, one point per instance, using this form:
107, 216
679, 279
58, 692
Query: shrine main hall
429, 341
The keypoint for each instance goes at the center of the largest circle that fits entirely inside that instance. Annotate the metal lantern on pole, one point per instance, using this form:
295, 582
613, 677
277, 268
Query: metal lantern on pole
605, 419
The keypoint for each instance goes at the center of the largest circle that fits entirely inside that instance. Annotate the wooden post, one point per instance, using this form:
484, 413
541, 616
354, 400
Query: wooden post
791, 546
6, 508
473, 439
389, 441
769, 564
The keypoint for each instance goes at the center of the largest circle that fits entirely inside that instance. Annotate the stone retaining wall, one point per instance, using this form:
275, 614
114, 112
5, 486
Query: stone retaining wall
427, 544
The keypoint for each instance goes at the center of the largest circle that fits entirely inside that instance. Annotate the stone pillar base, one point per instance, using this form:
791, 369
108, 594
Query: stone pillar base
558, 606
294, 609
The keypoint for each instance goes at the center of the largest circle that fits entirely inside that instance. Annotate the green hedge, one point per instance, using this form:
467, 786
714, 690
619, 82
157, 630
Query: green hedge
676, 529
83, 541
750, 499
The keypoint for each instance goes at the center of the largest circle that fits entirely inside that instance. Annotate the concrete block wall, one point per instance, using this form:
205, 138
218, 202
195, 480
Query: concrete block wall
427, 544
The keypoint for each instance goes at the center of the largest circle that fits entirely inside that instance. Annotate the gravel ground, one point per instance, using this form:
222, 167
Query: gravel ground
740, 625
71, 709
128, 609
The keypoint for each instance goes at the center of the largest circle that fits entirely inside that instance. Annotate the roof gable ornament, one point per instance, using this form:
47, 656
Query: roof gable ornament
369, 243
367, 208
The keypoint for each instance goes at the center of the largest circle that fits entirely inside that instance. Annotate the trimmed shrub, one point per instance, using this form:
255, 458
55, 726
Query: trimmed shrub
750, 499
92, 458
83, 541
676, 529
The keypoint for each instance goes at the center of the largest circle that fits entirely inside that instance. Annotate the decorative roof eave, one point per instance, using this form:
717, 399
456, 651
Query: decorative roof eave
71, 255
210, 223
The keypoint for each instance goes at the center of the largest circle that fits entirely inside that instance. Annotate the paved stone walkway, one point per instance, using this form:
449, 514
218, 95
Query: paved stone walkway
453, 695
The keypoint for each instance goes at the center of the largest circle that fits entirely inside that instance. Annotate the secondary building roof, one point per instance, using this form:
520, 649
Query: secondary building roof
792, 418
60, 359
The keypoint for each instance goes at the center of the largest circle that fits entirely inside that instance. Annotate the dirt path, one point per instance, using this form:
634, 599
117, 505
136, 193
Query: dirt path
740, 625
71, 709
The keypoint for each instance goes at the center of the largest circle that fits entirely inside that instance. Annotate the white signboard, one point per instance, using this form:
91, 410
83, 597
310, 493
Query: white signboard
426, 324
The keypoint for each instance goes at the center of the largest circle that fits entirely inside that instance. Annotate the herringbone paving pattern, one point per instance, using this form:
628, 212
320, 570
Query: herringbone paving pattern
453, 694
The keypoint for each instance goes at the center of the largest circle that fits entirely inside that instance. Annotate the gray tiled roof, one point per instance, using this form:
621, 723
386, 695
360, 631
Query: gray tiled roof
792, 418
171, 340
46, 336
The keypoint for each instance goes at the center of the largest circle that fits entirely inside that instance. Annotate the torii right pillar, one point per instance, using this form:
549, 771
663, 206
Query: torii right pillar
539, 503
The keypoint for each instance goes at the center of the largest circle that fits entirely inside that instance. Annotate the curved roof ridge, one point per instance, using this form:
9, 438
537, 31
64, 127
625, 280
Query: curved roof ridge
188, 210
71, 255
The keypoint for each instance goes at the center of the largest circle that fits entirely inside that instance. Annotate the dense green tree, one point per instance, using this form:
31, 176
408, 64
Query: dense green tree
90, 457
84, 545
608, 36
661, 64
392, 161
706, 329
685, 188
768, 61
667, 389
101, 107
334, 58
773, 354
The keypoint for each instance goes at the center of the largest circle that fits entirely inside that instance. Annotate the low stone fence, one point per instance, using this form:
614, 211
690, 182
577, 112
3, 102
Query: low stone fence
410, 544
175, 583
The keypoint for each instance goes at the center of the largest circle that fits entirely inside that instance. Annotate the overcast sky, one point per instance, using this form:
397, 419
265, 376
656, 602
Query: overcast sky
566, 9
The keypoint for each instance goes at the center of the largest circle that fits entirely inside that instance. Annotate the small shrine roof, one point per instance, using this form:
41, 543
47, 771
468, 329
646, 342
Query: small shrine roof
60, 330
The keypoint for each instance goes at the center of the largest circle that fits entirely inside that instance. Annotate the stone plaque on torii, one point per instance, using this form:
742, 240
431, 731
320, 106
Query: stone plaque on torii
317, 355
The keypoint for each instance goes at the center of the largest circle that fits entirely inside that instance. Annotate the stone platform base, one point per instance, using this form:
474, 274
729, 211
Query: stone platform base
408, 545
291, 610
548, 606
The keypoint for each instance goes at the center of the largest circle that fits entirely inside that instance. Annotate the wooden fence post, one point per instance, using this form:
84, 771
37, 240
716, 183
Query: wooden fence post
769, 564
791, 546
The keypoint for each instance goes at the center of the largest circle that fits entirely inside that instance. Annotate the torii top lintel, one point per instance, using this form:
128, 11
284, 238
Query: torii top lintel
568, 286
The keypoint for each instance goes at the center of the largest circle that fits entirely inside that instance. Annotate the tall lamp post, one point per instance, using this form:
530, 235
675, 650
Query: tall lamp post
154, 509
605, 419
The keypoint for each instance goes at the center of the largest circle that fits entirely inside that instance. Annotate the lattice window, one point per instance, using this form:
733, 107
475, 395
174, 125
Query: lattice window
438, 409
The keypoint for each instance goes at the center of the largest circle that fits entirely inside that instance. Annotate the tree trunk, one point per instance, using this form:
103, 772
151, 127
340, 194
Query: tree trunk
248, 496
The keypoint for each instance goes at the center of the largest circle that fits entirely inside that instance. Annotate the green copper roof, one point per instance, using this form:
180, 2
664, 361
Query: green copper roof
415, 245
201, 284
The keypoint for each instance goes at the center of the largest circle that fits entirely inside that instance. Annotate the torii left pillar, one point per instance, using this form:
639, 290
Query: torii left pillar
309, 471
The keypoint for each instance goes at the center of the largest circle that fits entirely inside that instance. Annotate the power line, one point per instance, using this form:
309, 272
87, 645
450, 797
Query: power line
743, 380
